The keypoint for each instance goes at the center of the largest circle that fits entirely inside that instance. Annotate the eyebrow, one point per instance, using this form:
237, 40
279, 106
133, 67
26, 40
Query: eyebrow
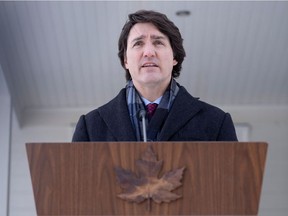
155, 37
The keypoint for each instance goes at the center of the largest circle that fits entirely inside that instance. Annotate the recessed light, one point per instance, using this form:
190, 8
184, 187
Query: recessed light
183, 13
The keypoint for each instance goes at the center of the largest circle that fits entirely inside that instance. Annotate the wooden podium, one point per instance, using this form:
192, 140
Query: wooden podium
220, 178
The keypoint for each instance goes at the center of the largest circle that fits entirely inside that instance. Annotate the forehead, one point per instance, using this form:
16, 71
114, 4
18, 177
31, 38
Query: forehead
145, 30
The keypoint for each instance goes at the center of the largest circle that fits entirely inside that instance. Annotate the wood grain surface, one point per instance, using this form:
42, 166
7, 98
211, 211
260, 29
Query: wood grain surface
79, 178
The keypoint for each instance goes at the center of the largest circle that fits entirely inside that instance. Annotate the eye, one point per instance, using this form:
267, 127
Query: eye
138, 43
158, 42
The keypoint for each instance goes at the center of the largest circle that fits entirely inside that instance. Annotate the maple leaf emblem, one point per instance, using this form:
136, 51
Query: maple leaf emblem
147, 185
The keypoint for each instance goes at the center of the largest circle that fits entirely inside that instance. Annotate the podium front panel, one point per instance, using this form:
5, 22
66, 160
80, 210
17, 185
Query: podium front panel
220, 178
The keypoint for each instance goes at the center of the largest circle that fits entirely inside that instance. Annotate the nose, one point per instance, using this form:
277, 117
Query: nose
149, 50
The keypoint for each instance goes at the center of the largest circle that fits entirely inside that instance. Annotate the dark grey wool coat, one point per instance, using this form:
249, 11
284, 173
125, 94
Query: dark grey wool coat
188, 120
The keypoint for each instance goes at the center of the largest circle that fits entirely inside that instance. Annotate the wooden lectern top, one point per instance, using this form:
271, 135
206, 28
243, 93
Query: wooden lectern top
220, 178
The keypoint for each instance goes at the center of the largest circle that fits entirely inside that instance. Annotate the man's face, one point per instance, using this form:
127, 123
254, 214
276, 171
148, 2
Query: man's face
149, 57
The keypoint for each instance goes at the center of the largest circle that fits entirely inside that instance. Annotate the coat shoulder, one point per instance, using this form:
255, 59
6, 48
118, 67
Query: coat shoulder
205, 121
197, 103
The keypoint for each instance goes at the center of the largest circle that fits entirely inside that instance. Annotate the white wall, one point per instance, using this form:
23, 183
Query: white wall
266, 124
5, 122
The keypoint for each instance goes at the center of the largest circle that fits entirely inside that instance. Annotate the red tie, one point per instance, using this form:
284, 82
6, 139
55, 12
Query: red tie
151, 108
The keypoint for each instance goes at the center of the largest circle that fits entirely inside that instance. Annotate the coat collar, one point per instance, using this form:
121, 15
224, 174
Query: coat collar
116, 116
185, 107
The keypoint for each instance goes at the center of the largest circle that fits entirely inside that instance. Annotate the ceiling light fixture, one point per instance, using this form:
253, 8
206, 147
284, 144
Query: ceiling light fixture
183, 13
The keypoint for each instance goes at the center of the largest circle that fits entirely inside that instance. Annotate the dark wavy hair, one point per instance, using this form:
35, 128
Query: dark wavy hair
164, 25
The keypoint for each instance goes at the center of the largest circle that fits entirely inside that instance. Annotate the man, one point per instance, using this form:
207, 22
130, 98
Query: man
151, 51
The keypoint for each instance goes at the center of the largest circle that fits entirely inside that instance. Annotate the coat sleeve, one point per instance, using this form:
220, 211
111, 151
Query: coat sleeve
80, 133
227, 131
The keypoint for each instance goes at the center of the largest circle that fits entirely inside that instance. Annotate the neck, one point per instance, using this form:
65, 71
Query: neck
151, 92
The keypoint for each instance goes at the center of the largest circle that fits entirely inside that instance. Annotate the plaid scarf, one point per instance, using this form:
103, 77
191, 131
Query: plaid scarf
135, 104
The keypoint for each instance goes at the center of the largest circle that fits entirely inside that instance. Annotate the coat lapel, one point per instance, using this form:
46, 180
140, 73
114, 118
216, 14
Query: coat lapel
119, 124
116, 116
184, 108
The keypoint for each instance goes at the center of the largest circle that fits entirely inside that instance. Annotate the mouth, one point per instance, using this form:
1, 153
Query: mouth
149, 64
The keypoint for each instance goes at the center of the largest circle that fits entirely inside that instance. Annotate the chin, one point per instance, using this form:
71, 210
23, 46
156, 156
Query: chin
153, 81
151, 78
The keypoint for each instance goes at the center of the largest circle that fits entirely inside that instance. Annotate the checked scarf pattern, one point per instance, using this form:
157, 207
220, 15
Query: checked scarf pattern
135, 104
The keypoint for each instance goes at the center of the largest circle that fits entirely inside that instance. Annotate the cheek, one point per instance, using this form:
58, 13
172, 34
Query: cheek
130, 60
169, 56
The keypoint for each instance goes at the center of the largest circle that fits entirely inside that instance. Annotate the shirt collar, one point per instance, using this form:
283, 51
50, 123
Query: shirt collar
157, 101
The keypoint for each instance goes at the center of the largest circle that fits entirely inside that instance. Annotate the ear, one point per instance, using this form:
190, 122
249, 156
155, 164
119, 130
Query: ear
125, 63
175, 62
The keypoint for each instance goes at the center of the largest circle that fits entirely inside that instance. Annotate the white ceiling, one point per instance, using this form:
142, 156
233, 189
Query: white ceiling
58, 55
